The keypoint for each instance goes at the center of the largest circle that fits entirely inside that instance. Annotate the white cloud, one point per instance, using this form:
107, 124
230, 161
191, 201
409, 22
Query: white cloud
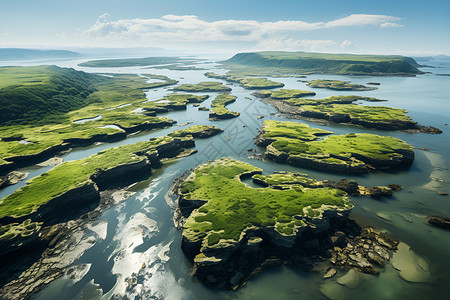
389, 24
192, 29
347, 44
361, 20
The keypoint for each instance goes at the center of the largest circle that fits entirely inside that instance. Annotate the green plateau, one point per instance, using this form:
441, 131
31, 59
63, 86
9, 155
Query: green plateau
279, 62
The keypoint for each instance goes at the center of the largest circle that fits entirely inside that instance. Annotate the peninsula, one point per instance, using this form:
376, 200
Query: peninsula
278, 62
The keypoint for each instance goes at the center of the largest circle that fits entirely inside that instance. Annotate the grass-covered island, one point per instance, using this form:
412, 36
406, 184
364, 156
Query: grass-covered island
197, 131
219, 111
47, 109
341, 109
205, 87
338, 85
304, 146
134, 62
278, 62
223, 219
254, 83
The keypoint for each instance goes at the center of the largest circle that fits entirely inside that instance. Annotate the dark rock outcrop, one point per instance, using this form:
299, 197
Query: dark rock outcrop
439, 221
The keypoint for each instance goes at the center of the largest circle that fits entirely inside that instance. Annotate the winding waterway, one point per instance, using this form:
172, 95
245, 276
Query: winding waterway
138, 235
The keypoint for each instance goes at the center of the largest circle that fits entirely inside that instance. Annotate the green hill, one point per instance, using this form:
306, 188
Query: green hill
31, 93
306, 62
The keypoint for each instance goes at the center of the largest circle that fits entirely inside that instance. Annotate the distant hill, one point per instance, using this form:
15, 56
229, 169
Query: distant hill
307, 63
133, 62
7, 54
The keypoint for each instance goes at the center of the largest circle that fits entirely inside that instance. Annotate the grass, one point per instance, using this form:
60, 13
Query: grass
291, 130
247, 82
366, 113
297, 139
196, 131
283, 94
338, 85
24, 229
278, 62
218, 110
329, 100
207, 86
232, 207
286, 178
70, 175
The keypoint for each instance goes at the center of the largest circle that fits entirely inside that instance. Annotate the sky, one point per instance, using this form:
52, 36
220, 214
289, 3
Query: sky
417, 28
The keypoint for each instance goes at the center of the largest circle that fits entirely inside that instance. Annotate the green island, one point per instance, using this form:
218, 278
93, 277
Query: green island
338, 85
134, 62
207, 86
177, 67
219, 111
72, 108
247, 82
379, 117
224, 217
340, 109
197, 131
279, 62
300, 145
284, 94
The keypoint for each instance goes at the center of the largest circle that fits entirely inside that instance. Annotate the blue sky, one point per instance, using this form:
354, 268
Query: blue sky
401, 27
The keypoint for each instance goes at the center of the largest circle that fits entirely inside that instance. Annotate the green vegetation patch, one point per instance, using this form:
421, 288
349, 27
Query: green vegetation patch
232, 207
286, 178
247, 82
200, 131
283, 94
218, 110
207, 86
279, 62
291, 130
366, 113
350, 151
19, 230
338, 85
72, 174
329, 100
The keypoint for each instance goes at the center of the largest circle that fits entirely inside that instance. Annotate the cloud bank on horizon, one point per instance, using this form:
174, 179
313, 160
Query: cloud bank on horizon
187, 29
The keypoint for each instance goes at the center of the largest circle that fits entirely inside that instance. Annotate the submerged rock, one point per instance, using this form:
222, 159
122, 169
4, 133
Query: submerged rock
410, 266
352, 279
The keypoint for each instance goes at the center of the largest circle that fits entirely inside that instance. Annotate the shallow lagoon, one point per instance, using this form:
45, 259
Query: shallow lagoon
140, 230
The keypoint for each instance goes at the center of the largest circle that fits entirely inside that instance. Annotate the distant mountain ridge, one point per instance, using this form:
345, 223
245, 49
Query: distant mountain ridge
308, 62
30, 54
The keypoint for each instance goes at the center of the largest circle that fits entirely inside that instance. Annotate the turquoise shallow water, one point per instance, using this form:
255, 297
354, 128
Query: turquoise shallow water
140, 230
